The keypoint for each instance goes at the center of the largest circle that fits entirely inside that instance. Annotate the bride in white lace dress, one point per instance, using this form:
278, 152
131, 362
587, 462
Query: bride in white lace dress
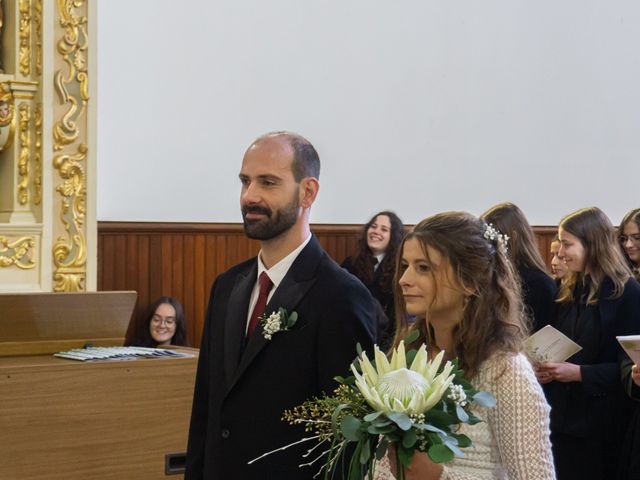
456, 280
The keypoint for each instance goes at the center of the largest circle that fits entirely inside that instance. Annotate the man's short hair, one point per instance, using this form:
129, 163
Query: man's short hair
306, 162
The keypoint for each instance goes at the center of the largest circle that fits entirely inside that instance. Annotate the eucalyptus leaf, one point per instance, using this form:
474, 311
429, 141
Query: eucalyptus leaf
334, 417
454, 448
380, 430
485, 399
365, 453
473, 419
350, 427
372, 416
462, 415
400, 419
293, 318
412, 337
409, 439
410, 356
359, 349
440, 453
405, 455
440, 419
382, 449
430, 428
463, 440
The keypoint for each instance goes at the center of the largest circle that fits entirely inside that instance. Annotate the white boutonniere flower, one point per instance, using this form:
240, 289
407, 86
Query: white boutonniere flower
278, 321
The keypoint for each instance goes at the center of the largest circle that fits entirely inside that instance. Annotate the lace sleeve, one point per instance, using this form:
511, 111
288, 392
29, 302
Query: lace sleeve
520, 422
519, 426
383, 470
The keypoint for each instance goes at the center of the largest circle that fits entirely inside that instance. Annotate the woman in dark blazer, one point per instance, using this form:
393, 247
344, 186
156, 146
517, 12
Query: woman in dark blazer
589, 408
630, 455
374, 265
538, 288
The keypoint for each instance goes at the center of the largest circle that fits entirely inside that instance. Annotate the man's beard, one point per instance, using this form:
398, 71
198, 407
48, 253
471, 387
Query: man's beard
274, 224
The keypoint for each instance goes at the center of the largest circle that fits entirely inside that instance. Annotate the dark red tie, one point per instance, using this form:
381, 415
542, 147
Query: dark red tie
265, 287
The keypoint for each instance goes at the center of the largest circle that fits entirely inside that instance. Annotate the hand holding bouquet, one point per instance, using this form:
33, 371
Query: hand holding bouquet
410, 401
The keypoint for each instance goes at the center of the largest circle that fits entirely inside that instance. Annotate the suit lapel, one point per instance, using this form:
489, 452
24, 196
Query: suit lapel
294, 286
234, 328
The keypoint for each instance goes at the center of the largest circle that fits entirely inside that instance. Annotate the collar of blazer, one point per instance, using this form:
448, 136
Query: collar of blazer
295, 284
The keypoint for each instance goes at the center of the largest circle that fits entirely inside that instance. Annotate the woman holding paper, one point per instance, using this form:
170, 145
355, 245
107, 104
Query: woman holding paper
589, 410
630, 456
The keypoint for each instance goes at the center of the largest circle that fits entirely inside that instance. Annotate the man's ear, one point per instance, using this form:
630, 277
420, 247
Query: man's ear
309, 188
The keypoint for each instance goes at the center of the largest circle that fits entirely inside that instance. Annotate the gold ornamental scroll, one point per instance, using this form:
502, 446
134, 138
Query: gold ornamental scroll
18, 253
69, 143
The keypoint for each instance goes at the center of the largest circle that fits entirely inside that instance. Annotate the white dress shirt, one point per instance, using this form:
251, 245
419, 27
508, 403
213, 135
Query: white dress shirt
275, 273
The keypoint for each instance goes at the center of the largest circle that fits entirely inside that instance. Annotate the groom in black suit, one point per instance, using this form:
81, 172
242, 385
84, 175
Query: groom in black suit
245, 380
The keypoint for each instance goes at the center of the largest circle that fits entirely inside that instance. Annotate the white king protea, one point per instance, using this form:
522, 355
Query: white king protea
395, 388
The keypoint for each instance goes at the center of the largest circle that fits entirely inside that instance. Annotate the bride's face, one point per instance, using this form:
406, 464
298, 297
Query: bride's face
427, 283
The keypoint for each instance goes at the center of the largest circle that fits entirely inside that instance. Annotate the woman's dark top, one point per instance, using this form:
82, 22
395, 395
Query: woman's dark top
597, 407
539, 293
384, 295
630, 455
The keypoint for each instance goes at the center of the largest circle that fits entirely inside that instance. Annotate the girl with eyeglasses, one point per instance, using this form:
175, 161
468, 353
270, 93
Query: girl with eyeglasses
163, 325
589, 410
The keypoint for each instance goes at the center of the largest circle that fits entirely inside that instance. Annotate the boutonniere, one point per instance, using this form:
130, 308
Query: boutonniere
278, 321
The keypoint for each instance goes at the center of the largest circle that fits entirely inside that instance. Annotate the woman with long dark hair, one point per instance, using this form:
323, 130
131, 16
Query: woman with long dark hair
374, 264
163, 324
589, 410
538, 288
453, 275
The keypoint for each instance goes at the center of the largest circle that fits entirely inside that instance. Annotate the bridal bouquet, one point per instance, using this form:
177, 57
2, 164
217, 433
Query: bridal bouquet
412, 402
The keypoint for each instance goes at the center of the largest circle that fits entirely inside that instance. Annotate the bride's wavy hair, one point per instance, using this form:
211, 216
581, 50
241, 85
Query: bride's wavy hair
493, 320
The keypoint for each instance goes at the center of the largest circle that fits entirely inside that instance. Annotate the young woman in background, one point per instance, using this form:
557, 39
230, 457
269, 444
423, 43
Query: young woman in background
589, 410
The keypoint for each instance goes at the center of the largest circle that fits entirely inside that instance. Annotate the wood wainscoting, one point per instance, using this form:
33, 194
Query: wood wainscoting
182, 259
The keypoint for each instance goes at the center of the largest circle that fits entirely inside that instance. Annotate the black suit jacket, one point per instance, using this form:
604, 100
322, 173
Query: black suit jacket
241, 392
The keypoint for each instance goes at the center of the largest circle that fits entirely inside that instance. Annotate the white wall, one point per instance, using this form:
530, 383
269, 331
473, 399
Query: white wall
415, 105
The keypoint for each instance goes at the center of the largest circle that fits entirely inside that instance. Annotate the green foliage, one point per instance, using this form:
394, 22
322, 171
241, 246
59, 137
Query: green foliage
349, 424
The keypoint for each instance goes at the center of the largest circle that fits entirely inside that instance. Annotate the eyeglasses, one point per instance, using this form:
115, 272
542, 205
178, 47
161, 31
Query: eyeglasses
635, 238
168, 321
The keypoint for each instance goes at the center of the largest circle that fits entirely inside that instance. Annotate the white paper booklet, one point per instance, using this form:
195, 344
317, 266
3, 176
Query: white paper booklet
550, 345
631, 345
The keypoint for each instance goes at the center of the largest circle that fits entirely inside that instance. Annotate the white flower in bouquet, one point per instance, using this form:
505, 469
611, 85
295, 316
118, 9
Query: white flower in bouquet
391, 386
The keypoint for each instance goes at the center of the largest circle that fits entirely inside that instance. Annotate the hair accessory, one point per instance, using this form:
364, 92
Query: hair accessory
492, 234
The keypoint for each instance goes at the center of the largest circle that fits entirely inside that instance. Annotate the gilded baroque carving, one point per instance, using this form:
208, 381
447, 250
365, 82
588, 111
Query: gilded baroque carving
18, 253
37, 20
7, 123
73, 47
25, 153
69, 254
37, 155
25, 37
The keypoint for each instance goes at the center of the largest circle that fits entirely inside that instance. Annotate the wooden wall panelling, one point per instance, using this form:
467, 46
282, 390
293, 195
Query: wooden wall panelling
183, 260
